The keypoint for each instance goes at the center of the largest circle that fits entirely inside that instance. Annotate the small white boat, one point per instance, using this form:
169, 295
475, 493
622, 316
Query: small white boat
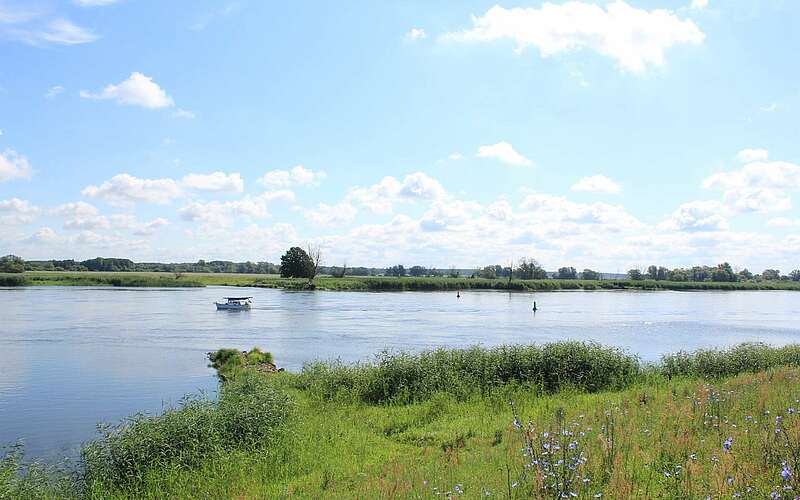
234, 304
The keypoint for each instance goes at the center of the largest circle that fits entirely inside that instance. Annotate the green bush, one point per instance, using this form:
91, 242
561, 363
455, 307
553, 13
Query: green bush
13, 280
714, 363
248, 414
404, 377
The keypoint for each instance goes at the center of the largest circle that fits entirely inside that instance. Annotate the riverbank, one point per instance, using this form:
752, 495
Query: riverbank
366, 283
596, 424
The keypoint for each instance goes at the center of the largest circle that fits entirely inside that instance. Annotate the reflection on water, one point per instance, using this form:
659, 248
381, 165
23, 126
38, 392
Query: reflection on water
70, 357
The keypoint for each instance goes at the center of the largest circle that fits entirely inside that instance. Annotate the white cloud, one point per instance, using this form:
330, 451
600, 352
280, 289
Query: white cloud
124, 189
505, 153
331, 215
769, 109
750, 155
151, 227
75, 209
64, 32
226, 213
137, 90
455, 156
635, 38
784, 222
380, 197
94, 3
43, 235
597, 184
500, 210
758, 186
182, 113
698, 216
215, 182
299, 175
14, 166
53, 92
416, 34
16, 211
698, 4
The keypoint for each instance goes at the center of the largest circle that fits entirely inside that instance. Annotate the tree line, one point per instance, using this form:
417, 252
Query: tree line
298, 262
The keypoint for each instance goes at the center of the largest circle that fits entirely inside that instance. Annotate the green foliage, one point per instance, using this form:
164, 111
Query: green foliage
120, 280
12, 264
230, 362
14, 280
32, 481
249, 414
407, 377
296, 263
714, 363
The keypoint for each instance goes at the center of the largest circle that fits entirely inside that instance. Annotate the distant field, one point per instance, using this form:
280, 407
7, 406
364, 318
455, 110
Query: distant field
366, 283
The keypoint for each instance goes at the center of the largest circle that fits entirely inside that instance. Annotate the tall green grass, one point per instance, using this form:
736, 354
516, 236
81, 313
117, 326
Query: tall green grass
249, 414
118, 280
716, 363
404, 377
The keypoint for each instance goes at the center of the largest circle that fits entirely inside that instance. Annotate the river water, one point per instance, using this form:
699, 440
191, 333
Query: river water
71, 357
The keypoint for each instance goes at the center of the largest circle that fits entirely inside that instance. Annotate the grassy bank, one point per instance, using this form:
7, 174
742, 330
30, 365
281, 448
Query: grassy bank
374, 283
716, 424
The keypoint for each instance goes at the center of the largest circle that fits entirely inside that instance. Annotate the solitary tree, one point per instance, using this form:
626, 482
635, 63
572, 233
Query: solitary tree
296, 263
12, 264
795, 275
315, 255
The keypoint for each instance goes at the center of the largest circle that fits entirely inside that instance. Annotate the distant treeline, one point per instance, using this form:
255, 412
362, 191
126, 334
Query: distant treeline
201, 266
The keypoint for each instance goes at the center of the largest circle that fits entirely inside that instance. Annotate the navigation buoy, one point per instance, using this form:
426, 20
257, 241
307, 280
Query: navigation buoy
458, 294
534, 306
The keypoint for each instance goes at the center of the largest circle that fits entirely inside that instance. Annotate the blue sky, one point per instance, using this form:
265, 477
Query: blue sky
594, 134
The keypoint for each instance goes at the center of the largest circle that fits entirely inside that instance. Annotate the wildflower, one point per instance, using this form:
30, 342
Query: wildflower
730, 480
786, 473
693, 456
667, 474
791, 410
598, 495
774, 495
727, 444
458, 489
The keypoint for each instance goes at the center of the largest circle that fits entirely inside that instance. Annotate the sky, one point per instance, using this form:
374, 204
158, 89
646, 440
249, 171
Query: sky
594, 134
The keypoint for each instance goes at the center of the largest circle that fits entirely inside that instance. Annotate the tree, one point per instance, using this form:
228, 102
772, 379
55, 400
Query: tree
314, 253
652, 272
453, 272
635, 275
723, 272
745, 275
488, 272
397, 270
296, 263
567, 273
771, 275
12, 264
417, 271
588, 274
795, 275
529, 269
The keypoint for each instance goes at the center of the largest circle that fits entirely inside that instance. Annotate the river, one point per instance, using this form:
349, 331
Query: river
71, 357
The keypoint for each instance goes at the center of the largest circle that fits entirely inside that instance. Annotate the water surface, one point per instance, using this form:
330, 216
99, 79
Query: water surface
73, 356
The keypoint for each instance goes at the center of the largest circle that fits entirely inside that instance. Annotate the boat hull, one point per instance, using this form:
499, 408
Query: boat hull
232, 307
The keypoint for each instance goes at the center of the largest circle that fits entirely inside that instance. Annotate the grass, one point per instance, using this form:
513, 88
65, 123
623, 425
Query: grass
673, 430
14, 280
376, 283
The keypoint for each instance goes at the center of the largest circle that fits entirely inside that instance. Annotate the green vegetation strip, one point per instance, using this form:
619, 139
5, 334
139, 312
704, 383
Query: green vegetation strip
586, 420
356, 283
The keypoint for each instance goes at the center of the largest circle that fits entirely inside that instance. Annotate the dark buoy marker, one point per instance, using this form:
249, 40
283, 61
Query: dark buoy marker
534, 306
458, 294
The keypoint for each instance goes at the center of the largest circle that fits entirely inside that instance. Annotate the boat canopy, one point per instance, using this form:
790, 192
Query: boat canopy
237, 298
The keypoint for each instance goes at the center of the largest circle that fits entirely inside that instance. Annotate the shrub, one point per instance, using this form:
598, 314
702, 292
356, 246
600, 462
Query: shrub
13, 280
248, 414
404, 377
714, 363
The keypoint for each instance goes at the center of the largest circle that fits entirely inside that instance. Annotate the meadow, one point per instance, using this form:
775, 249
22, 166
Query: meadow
565, 420
366, 283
